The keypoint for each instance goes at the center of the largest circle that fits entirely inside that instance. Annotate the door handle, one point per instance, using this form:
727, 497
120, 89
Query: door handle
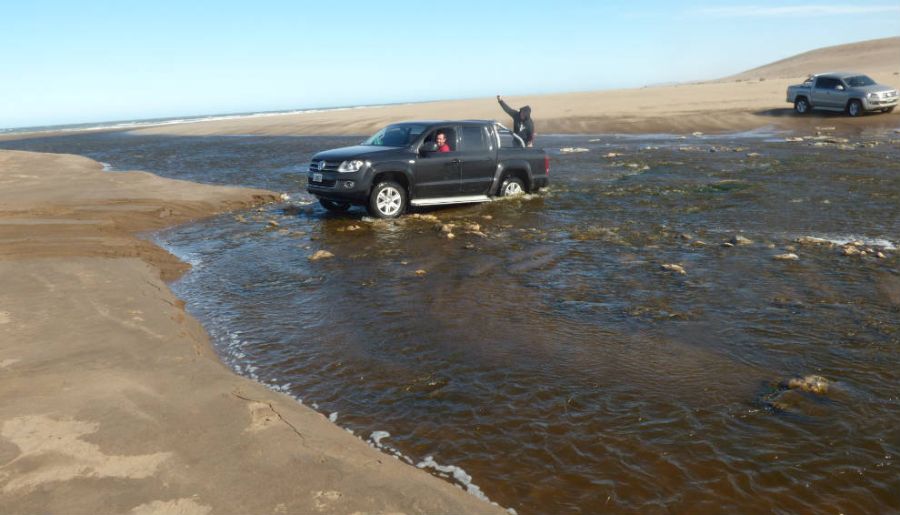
454, 162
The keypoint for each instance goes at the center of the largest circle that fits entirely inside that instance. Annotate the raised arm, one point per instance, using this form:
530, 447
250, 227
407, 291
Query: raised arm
509, 110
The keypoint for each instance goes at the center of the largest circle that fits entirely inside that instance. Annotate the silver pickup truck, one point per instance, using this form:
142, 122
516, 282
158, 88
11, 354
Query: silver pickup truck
852, 93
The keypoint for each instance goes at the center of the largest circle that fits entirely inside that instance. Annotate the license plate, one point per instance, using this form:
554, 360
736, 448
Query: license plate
317, 177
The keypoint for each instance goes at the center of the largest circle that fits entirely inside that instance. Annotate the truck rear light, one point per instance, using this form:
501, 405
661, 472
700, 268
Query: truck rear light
546, 165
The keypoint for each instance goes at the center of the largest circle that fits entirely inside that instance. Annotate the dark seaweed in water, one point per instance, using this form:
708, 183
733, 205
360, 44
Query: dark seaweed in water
553, 358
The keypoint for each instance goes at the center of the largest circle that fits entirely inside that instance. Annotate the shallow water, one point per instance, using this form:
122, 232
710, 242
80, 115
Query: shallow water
553, 359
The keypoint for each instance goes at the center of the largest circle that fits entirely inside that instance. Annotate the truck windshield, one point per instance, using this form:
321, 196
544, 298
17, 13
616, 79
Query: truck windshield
397, 135
860, 80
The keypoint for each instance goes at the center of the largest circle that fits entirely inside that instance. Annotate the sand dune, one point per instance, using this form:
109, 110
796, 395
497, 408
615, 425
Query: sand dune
732, 104
877, 57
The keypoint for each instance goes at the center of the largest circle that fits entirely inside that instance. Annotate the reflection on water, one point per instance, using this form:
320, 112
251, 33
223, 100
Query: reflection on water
547, 352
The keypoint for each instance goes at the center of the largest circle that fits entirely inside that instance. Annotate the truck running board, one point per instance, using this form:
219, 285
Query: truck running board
449, 200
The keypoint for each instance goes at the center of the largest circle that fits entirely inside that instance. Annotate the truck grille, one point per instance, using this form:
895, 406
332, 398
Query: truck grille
318, 165
326, 183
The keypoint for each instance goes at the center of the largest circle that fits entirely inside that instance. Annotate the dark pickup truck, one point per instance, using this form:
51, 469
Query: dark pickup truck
402, 165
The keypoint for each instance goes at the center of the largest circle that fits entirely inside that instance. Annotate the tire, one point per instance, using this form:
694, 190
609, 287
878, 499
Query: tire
854, 108
888, 109
511, 186
387, 200
801, 105
338, 207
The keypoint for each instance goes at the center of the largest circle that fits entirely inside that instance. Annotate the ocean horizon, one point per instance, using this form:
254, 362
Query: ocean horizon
176, 120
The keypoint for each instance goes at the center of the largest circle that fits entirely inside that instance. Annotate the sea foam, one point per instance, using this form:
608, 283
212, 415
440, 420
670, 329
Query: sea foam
457, 473
378, 436
883, 243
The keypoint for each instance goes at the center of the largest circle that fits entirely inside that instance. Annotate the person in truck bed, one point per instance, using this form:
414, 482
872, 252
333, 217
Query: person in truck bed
523, 125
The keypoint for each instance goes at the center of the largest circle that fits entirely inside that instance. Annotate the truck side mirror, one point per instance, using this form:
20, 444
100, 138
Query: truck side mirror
839, 87
428, 147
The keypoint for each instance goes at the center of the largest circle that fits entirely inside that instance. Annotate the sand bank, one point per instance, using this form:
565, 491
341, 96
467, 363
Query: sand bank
111, 398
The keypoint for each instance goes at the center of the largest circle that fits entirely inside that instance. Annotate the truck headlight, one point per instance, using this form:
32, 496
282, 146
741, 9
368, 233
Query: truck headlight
872, 96
351, 166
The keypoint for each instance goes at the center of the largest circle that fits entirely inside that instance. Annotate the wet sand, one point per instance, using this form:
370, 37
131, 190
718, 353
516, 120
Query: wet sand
113, 400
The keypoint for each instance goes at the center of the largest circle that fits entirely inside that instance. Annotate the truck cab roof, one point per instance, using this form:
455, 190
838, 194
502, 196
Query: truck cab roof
835, 75
458, 122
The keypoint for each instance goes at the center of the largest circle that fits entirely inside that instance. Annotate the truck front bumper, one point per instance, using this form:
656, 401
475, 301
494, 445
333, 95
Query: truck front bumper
875, 104
339, 187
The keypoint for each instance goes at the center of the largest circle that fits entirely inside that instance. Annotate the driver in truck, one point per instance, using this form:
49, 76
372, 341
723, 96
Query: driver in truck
441, 140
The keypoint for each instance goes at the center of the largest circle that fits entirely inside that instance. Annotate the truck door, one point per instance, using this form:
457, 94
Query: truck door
840, 94
818, 94
823, 92
437, 173
477, 160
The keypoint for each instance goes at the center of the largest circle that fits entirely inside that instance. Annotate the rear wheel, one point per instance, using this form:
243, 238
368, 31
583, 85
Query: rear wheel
854, 108
387, 200
331, 205
801, 105
511, 186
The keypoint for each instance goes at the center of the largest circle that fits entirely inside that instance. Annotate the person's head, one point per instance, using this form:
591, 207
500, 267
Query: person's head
524, 113
440, 139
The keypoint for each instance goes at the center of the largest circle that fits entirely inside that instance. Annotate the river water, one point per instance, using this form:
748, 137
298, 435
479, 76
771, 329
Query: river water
547, 359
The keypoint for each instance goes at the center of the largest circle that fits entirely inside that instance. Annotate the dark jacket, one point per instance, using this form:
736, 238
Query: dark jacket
524, 128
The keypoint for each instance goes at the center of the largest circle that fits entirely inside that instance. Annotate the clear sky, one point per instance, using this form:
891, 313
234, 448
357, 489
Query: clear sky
86, 61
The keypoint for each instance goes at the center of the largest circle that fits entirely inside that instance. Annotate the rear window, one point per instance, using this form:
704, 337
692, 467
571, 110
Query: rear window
474, 139
827, 83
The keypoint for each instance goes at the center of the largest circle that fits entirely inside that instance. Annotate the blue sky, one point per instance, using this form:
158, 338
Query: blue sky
87, 61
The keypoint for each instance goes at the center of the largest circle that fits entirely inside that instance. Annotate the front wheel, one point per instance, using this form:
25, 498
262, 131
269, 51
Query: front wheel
801, 106
854, 108
888, 109
331, 205
387, 200
511, 186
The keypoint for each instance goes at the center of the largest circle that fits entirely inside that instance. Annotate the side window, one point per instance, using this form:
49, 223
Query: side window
474, 139
827, 83
449, 135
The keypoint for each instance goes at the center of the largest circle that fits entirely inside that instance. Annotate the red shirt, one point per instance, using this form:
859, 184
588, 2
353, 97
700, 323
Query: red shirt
444, 148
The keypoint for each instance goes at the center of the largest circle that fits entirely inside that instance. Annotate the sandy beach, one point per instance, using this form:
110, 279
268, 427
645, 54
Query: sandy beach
113, 400
750, 100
